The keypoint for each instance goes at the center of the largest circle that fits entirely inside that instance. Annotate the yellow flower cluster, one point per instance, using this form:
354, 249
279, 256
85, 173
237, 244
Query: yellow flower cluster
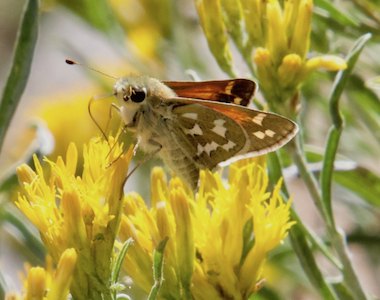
279, 31
80, 212
49, 284
218, 240
281, 56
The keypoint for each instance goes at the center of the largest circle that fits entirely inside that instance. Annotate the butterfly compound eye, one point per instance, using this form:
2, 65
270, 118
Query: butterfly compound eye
138, 95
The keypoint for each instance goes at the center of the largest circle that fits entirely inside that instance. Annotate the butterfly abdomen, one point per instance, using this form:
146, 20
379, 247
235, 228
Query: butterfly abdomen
181, 165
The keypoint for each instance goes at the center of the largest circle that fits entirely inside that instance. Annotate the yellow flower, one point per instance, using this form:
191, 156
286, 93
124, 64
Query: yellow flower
49, 284
218, 239
287, 45
280, 33
80, 212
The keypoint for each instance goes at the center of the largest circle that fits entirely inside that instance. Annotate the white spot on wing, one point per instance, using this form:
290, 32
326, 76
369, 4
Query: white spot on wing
207, 148
219, 129
270, 133
259, 119
229, 145
196, 130
193, 116
259, 134
238, 100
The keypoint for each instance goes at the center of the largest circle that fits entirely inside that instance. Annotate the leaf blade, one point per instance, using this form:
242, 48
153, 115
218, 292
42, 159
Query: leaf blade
21, 65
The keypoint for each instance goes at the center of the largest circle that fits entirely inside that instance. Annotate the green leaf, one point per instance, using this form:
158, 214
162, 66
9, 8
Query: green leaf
158, 274
342, 291
119, 261
309, 265
342, 77
22, 60
29, 237
362, 182
336, 13
248, 240
2, 286
340, 82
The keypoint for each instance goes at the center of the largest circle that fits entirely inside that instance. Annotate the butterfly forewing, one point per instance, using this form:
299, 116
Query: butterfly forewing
236, 91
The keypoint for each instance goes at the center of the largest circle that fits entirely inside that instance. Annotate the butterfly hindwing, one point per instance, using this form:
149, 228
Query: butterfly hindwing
243, 132
213, 137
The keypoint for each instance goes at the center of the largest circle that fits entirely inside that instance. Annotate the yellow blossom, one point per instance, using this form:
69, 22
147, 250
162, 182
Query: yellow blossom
218, 239
80, 212
36, 284
280, 33
49, 283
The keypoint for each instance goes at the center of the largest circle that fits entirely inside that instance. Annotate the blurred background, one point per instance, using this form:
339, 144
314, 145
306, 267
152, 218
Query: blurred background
164, 39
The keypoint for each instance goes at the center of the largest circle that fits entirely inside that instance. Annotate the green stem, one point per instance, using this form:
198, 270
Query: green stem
298, 236
308, 177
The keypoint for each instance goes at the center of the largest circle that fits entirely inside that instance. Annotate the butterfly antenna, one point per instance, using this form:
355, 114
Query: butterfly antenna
72, 62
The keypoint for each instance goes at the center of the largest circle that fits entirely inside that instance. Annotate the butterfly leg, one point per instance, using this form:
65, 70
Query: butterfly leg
146, 158
112, 106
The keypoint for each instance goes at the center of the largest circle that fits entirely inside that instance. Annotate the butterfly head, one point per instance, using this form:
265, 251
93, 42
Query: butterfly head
135, 91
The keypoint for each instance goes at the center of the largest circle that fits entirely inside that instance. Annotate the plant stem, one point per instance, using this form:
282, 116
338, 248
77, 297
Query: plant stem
337, 239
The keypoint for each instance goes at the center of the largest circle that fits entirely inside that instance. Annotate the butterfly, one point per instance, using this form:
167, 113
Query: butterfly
199, 125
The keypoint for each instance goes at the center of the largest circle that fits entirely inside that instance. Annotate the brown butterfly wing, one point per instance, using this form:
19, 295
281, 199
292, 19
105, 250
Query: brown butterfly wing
262, 132
236, 91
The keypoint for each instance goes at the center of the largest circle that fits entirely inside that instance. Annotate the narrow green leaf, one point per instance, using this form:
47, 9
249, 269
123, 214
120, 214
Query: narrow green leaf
336, 13
338, 239
119, 261
316, 242
362, 182
340, 82
266, 293
328, 168
158, 264
2, 286
342, 78
248, 240
22, 60
342, 291
309, 265
29, 237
